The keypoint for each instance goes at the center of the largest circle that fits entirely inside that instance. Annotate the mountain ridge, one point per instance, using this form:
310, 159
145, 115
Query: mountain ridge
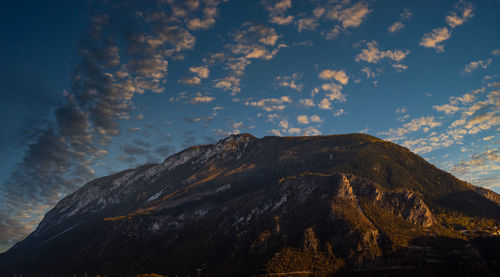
356, 182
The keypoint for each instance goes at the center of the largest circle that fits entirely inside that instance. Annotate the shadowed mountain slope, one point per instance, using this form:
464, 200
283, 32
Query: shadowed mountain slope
350, 204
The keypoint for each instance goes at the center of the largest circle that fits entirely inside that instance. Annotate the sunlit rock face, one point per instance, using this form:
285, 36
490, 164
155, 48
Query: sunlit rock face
244, 206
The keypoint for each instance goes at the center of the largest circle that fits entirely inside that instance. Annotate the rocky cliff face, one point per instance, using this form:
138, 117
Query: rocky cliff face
247, 206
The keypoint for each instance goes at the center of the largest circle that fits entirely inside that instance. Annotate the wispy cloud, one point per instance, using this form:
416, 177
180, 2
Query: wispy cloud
104, 85
399, 25
271, 104
435, 38
290, 81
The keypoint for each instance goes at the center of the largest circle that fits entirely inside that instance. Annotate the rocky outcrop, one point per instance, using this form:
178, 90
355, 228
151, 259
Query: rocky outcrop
242, 205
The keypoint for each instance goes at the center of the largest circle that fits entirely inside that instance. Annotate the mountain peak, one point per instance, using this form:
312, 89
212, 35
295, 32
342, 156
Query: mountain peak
257, 205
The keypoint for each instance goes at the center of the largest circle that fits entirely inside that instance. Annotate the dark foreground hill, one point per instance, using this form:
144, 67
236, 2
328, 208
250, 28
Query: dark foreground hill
347, 205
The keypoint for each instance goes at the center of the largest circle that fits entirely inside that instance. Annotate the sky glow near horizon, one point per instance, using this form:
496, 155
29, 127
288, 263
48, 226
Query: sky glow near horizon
89, 89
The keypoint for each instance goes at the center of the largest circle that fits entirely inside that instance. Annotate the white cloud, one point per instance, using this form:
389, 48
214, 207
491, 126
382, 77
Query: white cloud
446, 108
295, 131
271, 104
475, 65
372, 54
302, 119
228, 83
193, 81
338, 75
315, 118
200, 98
335, 92
290, 81
401, 110
284, 124
339, 112
435, 38
307, 102
351, 16
396, 27
454, 20
201, 71
277, 11
406, 14
308, 23
325, 104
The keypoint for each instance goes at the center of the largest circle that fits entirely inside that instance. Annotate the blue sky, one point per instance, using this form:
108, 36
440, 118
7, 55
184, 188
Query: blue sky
89, 89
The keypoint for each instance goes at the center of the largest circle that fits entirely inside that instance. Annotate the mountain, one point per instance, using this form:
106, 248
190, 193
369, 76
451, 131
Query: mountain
352, 205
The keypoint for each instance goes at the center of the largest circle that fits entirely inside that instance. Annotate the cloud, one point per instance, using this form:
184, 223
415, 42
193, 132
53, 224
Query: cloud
325, 104
475, 65
469, 114
284, 124
339, 112
372, 54
192, 81
401, 110
307, 102
399, 25
454, 20
446, 108
406, 14
335, 92
315, 118
351, 16
308, 23
347, 16
200, 98
104, 84
302, 119
396, 27
206, 118
201, 71
248, 43
339, 76
424, 123
290, 81
437, 36
277, 10
271, 104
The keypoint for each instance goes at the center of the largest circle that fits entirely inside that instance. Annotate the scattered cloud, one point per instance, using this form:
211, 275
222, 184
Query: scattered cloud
201, 71
396, 27
472, 66
200, 98
453, 19
192, 81
290, 81
304, 119
325, 104
372, 54
399, 25
308, 23
437, 36
277, 11
271, 104
339, 76
351, 16
339, 112
307, 102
